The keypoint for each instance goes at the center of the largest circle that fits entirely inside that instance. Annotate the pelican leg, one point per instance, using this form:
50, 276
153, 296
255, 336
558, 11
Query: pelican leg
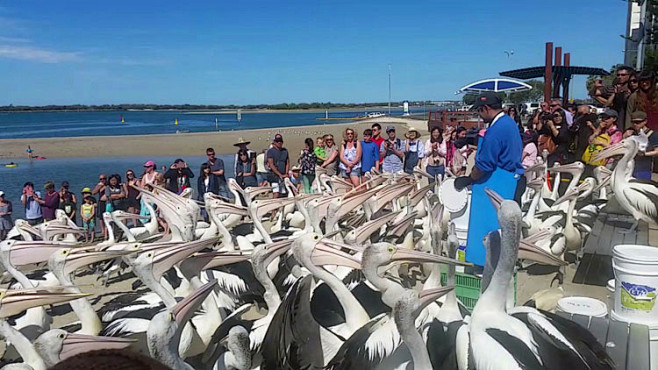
631, 229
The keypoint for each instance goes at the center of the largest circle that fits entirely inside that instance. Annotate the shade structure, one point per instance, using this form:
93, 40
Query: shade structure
505, 85
565, 71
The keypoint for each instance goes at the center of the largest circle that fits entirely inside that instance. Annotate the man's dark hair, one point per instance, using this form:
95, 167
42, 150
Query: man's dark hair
28, 184
628, 69
210, 150
367, 132
376, 125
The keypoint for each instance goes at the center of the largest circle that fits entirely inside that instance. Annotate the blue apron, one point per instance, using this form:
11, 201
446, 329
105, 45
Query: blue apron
483, 217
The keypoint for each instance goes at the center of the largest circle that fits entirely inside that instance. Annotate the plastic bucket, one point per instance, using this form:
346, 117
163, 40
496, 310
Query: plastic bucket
611, 294
582, 306
636, 283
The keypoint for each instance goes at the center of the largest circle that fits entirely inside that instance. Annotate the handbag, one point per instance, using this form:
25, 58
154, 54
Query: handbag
593, 149
547, 143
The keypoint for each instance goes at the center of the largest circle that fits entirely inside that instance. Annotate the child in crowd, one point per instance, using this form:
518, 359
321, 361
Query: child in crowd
319, 150
307, 161
68, 206
529, 156
88, 212
295, 177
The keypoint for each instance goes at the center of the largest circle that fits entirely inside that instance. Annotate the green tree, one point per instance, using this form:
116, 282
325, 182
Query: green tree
469, 99
535, 94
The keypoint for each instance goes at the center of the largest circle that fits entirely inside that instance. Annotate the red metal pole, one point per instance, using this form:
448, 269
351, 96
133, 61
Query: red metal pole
565, 88
558, 77
548, 71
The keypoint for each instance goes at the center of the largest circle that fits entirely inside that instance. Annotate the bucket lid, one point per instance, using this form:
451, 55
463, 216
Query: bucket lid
641, 253
612, 285
583, 306
453, 200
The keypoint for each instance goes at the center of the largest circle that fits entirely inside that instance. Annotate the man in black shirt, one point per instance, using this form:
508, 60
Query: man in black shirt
178, 176
582, 129
217, 169
278, 165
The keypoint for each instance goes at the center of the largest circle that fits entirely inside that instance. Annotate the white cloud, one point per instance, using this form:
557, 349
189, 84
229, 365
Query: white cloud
14, 40
37, 54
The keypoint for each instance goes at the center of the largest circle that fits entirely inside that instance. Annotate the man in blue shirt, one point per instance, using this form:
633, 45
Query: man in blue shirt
391, 152
369, 152
497, 166
30, 198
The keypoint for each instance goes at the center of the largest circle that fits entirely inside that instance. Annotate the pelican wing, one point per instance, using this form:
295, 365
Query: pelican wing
643, 197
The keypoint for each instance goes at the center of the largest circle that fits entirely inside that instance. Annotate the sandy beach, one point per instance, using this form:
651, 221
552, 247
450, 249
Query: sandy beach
188, 143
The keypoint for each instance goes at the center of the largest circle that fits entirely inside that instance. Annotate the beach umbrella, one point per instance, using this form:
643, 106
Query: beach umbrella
504, 85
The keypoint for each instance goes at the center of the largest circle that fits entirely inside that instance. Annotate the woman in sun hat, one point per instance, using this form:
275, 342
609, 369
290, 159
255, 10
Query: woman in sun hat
413, 151
5, 216
149, 174
242, 145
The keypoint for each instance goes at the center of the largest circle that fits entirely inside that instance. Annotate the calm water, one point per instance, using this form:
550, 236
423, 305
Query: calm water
63, 124
82, 172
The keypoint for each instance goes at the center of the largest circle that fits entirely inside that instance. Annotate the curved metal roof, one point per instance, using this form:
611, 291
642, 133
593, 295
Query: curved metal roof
496, 85
535, 72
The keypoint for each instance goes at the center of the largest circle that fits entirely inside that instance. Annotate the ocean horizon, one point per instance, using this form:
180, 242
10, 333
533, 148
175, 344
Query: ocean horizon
109, 123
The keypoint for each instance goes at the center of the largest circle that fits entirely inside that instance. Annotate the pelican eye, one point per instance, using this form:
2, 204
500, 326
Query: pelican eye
172, 317
316, 237
65, 251
391, 249
61, 336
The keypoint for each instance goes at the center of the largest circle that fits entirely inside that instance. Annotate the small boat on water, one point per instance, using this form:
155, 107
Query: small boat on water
375, 115
11, 164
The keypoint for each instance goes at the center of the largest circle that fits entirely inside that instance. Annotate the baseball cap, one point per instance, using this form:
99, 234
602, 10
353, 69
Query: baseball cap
85, 190
65, 184
487, 98
278, 138
638, 116
609, 113
390, 128
2, 193
179, 160
149, 164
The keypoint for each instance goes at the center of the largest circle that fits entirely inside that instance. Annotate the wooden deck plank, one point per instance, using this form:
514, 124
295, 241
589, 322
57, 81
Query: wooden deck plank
599, 328
617, 237
653, 237
605, 238
637, 354
617, 343
642, 234
593, 240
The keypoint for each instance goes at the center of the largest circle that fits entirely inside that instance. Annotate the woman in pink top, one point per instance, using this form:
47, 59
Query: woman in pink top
529, 156
435, 154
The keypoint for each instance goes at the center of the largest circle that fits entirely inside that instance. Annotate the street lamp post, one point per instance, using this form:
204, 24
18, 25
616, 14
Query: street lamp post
389, 89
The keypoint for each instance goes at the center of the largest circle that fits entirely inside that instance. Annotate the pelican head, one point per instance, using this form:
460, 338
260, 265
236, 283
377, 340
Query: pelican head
584, 189
14, 302
67, 260
629, 145
312, 249
264, 254
57, 345
165, 328
572, 168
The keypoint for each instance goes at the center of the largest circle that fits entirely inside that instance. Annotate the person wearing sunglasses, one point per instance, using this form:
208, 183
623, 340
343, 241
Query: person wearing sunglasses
497, 167
645, 99
131, 193
645, 160
556, 105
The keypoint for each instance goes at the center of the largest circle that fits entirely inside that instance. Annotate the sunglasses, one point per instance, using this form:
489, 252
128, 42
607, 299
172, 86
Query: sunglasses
210, 154
555, 105
622, 74
102, 179
633, 81
637, 122
330, 139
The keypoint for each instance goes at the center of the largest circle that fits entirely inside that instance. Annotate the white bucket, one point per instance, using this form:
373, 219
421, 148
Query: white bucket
653, 340
636, 283
582, 306
611, 294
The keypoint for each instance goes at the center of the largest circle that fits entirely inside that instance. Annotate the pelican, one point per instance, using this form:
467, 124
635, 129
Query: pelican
501, 341
638, 198
165, 329
57, 345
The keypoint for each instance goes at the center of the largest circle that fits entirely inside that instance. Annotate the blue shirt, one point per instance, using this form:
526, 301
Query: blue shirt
369, 155
32, 207
501, 147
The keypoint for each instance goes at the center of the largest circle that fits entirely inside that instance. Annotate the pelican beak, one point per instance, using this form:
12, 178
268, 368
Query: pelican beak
275, 250
74, 344
75, 261
166, 258
26, 253
571, 167
261, 207
361, 234
13, 302
324, 254
129, 216
223, 259
29, 228
340, 246
532, 252
570, 195
610, 151
184, 309
427, 296
401, 255
494, 197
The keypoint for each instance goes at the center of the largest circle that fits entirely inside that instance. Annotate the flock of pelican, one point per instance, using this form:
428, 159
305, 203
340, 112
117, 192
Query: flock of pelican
346, 278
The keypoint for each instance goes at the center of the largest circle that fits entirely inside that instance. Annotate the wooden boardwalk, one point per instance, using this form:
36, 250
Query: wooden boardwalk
595, 267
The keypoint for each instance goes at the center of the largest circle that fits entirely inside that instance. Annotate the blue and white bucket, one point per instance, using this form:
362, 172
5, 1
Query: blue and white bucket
636, 283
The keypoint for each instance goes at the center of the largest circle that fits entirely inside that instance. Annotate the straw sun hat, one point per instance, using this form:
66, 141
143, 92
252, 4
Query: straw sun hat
414, 131
241, 141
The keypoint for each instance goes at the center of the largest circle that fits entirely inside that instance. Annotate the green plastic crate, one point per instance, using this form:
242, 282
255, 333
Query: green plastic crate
467, 288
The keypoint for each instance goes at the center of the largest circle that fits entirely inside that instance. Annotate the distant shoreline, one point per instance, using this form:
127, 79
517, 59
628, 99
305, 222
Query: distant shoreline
193, 143
211, 111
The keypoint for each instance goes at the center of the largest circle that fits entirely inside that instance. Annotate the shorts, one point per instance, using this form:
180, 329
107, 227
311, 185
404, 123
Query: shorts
277, 185
35, 221
356, 172
89, 225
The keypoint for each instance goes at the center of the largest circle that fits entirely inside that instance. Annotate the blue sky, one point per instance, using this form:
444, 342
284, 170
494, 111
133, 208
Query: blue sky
247, 52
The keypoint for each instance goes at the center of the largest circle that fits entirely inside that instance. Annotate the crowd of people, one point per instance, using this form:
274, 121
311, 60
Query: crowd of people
567, 134
576, 133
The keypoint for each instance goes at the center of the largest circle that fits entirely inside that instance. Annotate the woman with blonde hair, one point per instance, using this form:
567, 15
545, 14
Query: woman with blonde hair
350, 157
